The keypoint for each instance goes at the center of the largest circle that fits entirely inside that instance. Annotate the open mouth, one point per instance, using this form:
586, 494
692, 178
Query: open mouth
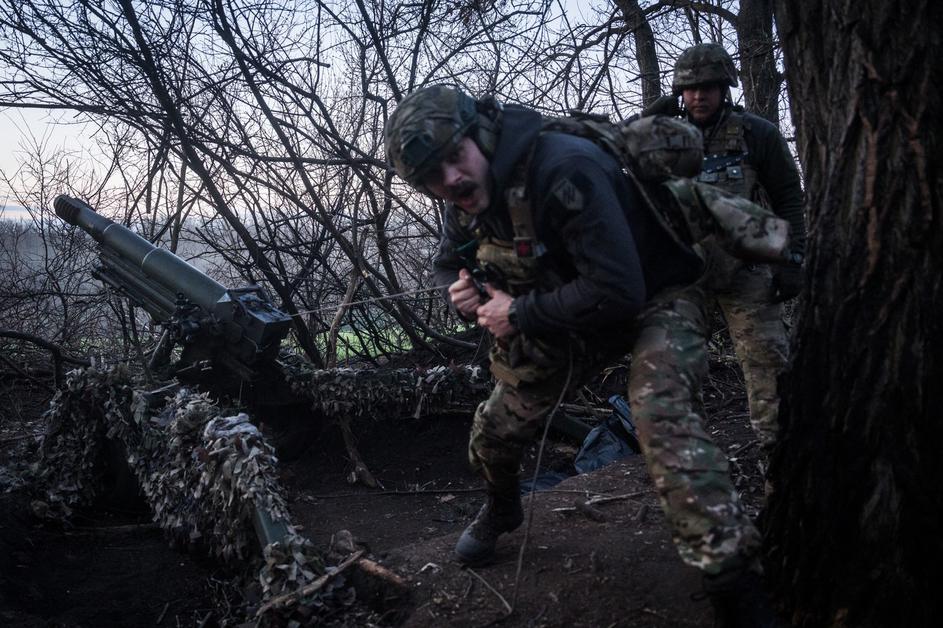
463, 192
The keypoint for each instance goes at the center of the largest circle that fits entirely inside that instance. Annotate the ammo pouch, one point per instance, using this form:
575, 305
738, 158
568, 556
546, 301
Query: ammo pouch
514, 273
519, 358
740, 227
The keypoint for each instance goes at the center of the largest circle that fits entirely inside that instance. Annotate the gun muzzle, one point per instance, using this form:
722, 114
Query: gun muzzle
77, 213
160, 265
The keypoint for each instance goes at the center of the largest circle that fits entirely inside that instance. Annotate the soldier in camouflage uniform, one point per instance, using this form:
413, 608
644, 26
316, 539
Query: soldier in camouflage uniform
580, 272
746, 155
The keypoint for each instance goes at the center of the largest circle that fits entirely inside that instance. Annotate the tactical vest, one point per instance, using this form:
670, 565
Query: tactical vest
725, 164
517, 267
516, 262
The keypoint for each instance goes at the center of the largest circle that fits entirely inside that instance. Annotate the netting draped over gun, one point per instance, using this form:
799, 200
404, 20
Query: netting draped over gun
237, 328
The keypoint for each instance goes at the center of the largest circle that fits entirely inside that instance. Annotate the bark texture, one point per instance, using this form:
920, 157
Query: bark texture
645, 52
853, 528
760, 80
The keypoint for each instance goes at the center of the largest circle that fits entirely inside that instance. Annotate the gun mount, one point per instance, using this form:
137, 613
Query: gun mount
238, 329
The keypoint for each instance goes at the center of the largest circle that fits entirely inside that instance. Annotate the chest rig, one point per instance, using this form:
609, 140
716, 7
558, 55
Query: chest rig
725, 164
514, 264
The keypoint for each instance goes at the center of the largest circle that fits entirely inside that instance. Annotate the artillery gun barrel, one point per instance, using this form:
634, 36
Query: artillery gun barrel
162, 266
238, 328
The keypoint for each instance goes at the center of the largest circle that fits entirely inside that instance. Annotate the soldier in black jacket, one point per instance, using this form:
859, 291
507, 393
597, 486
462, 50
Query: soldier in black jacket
580, 272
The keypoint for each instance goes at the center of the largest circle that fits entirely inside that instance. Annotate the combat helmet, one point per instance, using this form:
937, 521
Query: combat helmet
428, 124
702, 64
660, 147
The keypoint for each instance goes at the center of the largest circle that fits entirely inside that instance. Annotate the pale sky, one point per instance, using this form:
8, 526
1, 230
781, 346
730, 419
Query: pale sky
23, 129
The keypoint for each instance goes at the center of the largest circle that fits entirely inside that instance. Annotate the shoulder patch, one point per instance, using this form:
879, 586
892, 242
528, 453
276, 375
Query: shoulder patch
568, 194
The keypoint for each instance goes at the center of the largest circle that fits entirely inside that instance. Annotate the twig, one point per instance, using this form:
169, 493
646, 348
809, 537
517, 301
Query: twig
113, 530
492, 589
578, 409
13, 439
440, 491
471, 583
23, 373
361, 472
540, 454
664, 617
590, 511
160, 617
742, 448
601, 499
334, 330
305, 591
59, 356
422, 491
376, 570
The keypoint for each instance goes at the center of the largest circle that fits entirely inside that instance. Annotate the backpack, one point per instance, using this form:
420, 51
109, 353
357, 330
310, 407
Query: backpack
661, 154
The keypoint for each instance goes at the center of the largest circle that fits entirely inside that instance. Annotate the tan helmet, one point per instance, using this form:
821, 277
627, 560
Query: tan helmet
426, 126
703, 64
660, 147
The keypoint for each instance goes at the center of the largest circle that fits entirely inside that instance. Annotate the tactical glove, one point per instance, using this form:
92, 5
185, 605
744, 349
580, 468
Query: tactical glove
663, 106
787, 282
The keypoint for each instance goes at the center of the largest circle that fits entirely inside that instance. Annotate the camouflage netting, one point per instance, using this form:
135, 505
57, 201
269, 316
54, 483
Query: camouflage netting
390, 392
71, 461
203, 472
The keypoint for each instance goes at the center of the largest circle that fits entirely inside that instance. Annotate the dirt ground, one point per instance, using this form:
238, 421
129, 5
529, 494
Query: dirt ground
612, 565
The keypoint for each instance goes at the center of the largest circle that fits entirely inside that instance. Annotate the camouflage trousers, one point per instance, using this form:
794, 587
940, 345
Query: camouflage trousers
757, 330
530, 377
669, 363
691, 474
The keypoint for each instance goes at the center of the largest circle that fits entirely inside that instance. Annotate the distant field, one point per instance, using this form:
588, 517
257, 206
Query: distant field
13, 212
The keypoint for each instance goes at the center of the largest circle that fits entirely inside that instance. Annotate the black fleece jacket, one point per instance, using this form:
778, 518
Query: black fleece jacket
610, 254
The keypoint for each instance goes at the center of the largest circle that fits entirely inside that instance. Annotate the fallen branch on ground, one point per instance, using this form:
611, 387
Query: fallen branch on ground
601, 499
490, 588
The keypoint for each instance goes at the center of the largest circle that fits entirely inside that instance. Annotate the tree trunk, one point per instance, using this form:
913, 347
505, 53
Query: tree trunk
761, 82
645, 53
853, 527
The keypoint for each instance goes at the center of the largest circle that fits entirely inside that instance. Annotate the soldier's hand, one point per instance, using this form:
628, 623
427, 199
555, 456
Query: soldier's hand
464, 295
666, 105
493, 314
787, 283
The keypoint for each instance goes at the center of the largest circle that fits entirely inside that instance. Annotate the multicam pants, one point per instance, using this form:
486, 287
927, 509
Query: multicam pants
691, 474
530, 378
757, 330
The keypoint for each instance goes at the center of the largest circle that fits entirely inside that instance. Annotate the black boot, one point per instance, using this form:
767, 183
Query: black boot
501, 513
740, 601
